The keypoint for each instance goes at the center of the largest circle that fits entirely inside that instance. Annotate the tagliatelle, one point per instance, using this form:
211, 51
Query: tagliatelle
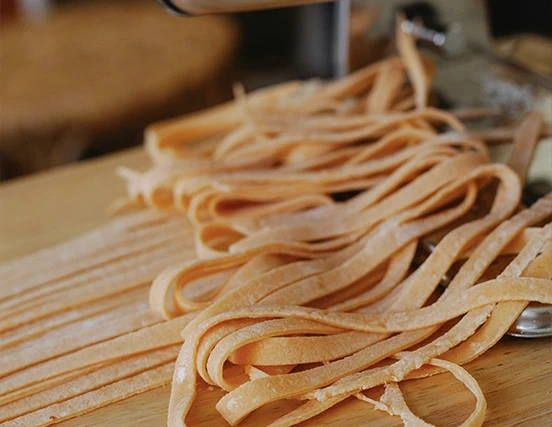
97, 398
226, 330
81, 384
304, 273
392, 401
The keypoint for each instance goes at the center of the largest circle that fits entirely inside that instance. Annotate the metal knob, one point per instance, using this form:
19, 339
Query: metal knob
450, 42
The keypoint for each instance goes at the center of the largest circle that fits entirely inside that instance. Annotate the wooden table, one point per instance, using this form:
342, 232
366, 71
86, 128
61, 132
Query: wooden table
37, 211
90, 76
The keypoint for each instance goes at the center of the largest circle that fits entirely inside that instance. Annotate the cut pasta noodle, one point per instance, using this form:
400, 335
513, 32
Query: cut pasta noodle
308, 208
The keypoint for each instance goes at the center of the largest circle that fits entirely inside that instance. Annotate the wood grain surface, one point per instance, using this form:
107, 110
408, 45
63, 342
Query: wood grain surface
38, 211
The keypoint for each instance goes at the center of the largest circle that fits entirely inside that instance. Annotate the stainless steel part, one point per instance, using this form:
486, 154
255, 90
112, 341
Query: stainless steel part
202, 7
534, 322
323, 38
172, 9
451, 42
341, 38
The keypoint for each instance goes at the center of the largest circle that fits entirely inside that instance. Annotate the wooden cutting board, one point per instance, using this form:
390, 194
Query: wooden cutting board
50, 207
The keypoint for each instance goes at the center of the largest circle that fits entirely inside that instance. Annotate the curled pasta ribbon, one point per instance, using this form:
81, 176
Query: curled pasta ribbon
292, 126
393, 402
310, 203
154, 188
309, 209
539, 211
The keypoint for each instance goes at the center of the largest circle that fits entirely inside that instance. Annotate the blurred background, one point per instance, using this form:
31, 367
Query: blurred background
83, 78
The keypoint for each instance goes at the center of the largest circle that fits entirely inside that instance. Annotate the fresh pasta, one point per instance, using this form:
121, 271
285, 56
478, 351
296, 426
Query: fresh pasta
338, 290
308, 207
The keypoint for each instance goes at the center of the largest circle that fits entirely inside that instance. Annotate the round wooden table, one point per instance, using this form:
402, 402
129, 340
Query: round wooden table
90, 77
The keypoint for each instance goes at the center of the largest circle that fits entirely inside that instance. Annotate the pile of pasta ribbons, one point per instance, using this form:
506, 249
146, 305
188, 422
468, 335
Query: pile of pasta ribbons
284, 253
315, 199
